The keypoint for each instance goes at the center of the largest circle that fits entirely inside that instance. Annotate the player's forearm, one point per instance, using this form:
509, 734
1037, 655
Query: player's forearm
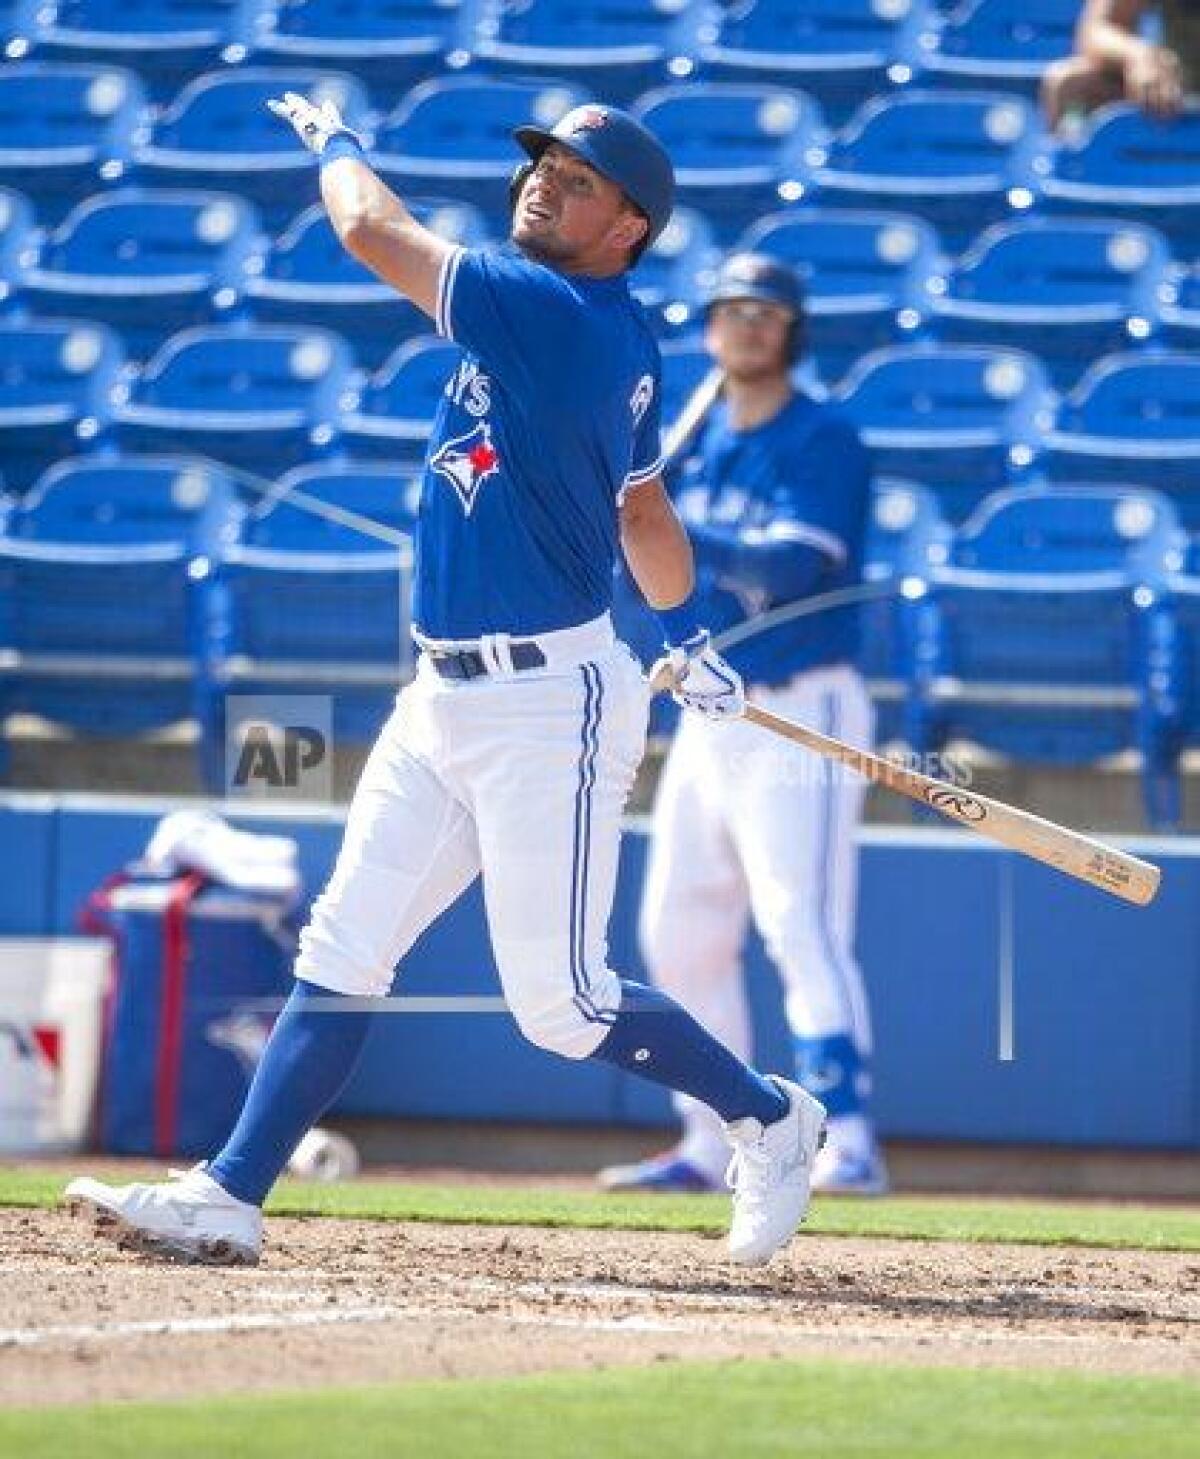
1108, 32
783, 570
373, 224
656, 547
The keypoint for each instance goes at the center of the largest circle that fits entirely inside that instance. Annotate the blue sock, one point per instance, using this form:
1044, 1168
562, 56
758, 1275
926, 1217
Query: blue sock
311, 1053
654, 1037
833, 1070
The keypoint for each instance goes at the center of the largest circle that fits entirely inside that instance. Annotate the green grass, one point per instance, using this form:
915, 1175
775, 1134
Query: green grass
919, 1218
672, 1411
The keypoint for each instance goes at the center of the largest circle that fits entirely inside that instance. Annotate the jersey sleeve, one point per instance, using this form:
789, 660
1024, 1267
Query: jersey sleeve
646, 461
822, 497
514, 315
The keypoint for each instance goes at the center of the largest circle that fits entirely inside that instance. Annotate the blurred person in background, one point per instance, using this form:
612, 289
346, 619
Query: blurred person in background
1115, 61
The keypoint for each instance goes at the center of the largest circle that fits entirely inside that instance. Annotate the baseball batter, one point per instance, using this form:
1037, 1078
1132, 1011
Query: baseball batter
511, 755
775, 498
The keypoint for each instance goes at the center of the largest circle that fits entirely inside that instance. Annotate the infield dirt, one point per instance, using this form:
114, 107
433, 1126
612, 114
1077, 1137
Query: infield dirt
343, 1302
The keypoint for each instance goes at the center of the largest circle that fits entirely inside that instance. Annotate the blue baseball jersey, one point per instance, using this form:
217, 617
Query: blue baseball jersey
776, 513
551, 415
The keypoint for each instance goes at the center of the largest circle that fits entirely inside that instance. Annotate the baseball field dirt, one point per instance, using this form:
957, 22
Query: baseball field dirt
338, 1303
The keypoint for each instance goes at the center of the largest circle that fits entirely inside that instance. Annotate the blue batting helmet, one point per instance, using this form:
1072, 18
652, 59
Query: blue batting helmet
757, 276
619, 148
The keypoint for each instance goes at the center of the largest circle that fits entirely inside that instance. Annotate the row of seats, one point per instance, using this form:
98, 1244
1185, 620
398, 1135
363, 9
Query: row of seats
841, 50
964, 419
959, 159
1055, 625
1069, 290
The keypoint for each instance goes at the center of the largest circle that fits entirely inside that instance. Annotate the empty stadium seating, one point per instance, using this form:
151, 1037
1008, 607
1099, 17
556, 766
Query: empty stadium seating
998, 43
960, 159
961, 419
147, 264
66, 130
16, 231
1133, 418
256, 398
392, 417
865, 276
738, 149
1068, 290
840, 51
672, 274
166, 41
218, 133
1049, 642
94, 546
1179, 308
56, 377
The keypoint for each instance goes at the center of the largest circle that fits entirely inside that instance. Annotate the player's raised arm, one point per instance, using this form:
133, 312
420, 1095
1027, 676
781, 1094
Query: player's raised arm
367, 216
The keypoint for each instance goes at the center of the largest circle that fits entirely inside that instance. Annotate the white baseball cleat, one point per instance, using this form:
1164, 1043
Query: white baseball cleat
186, 1218
771, 1174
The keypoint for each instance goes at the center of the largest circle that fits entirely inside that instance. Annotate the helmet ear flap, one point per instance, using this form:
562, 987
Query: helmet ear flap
516, 184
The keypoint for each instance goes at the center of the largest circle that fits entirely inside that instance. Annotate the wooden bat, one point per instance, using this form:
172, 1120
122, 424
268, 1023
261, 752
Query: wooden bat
1113, 871
1103, 866
692, 416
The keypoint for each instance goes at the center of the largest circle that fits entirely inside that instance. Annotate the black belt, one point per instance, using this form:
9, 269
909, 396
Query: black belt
469, 663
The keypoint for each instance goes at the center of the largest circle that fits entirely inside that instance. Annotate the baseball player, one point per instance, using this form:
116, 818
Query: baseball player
511, 754
774, 496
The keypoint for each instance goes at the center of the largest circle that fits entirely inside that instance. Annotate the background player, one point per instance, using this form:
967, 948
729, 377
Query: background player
775, 498
514, 750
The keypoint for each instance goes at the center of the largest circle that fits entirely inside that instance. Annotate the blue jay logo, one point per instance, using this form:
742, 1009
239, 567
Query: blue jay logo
467, 462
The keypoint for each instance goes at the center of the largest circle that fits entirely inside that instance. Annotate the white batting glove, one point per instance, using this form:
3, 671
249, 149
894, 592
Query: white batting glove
703, 681
315, 125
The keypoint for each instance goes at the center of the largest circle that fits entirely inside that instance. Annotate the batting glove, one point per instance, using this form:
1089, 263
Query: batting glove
316, 126
702, 680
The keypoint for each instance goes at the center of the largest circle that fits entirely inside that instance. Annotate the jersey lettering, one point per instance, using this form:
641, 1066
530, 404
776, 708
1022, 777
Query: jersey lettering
471, 388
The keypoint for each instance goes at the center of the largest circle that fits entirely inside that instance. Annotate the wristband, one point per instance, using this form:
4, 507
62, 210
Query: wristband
679, 623
342, 144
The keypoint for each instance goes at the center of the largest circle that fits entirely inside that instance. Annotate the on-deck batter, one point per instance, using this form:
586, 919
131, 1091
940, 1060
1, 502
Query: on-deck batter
512, 753
775, 497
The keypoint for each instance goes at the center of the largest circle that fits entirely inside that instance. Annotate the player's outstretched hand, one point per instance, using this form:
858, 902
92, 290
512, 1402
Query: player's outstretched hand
702, 680
315, 125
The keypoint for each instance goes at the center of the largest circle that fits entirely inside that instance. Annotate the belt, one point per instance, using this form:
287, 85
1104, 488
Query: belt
469, 663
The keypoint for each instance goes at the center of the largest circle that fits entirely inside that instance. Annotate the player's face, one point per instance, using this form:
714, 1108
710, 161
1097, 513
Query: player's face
748, 338
571, 216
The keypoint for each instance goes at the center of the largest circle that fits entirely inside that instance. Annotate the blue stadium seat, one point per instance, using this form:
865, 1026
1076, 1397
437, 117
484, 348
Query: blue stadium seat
1133, 418
218, 133
389, 45
454, 137
146, 263
1069, 290
103, 594
1184, 590
961, 419
865, 277
1179, 308
55, 381
258, 399
164, 41
385, 492
685, 363
310, 608
960, 159
907, 538
1052, 639
16, 238
1125, 162
671, 275
393, 415
611, 48
999, 43
840, 51
307, 277
738, 149
65, 130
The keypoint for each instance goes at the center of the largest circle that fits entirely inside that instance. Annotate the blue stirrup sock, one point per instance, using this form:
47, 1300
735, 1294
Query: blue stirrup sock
310, 1055
832, 1069
657, 1039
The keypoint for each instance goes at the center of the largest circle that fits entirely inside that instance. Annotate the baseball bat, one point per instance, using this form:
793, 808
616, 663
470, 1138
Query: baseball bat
692, 416
1106, 867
